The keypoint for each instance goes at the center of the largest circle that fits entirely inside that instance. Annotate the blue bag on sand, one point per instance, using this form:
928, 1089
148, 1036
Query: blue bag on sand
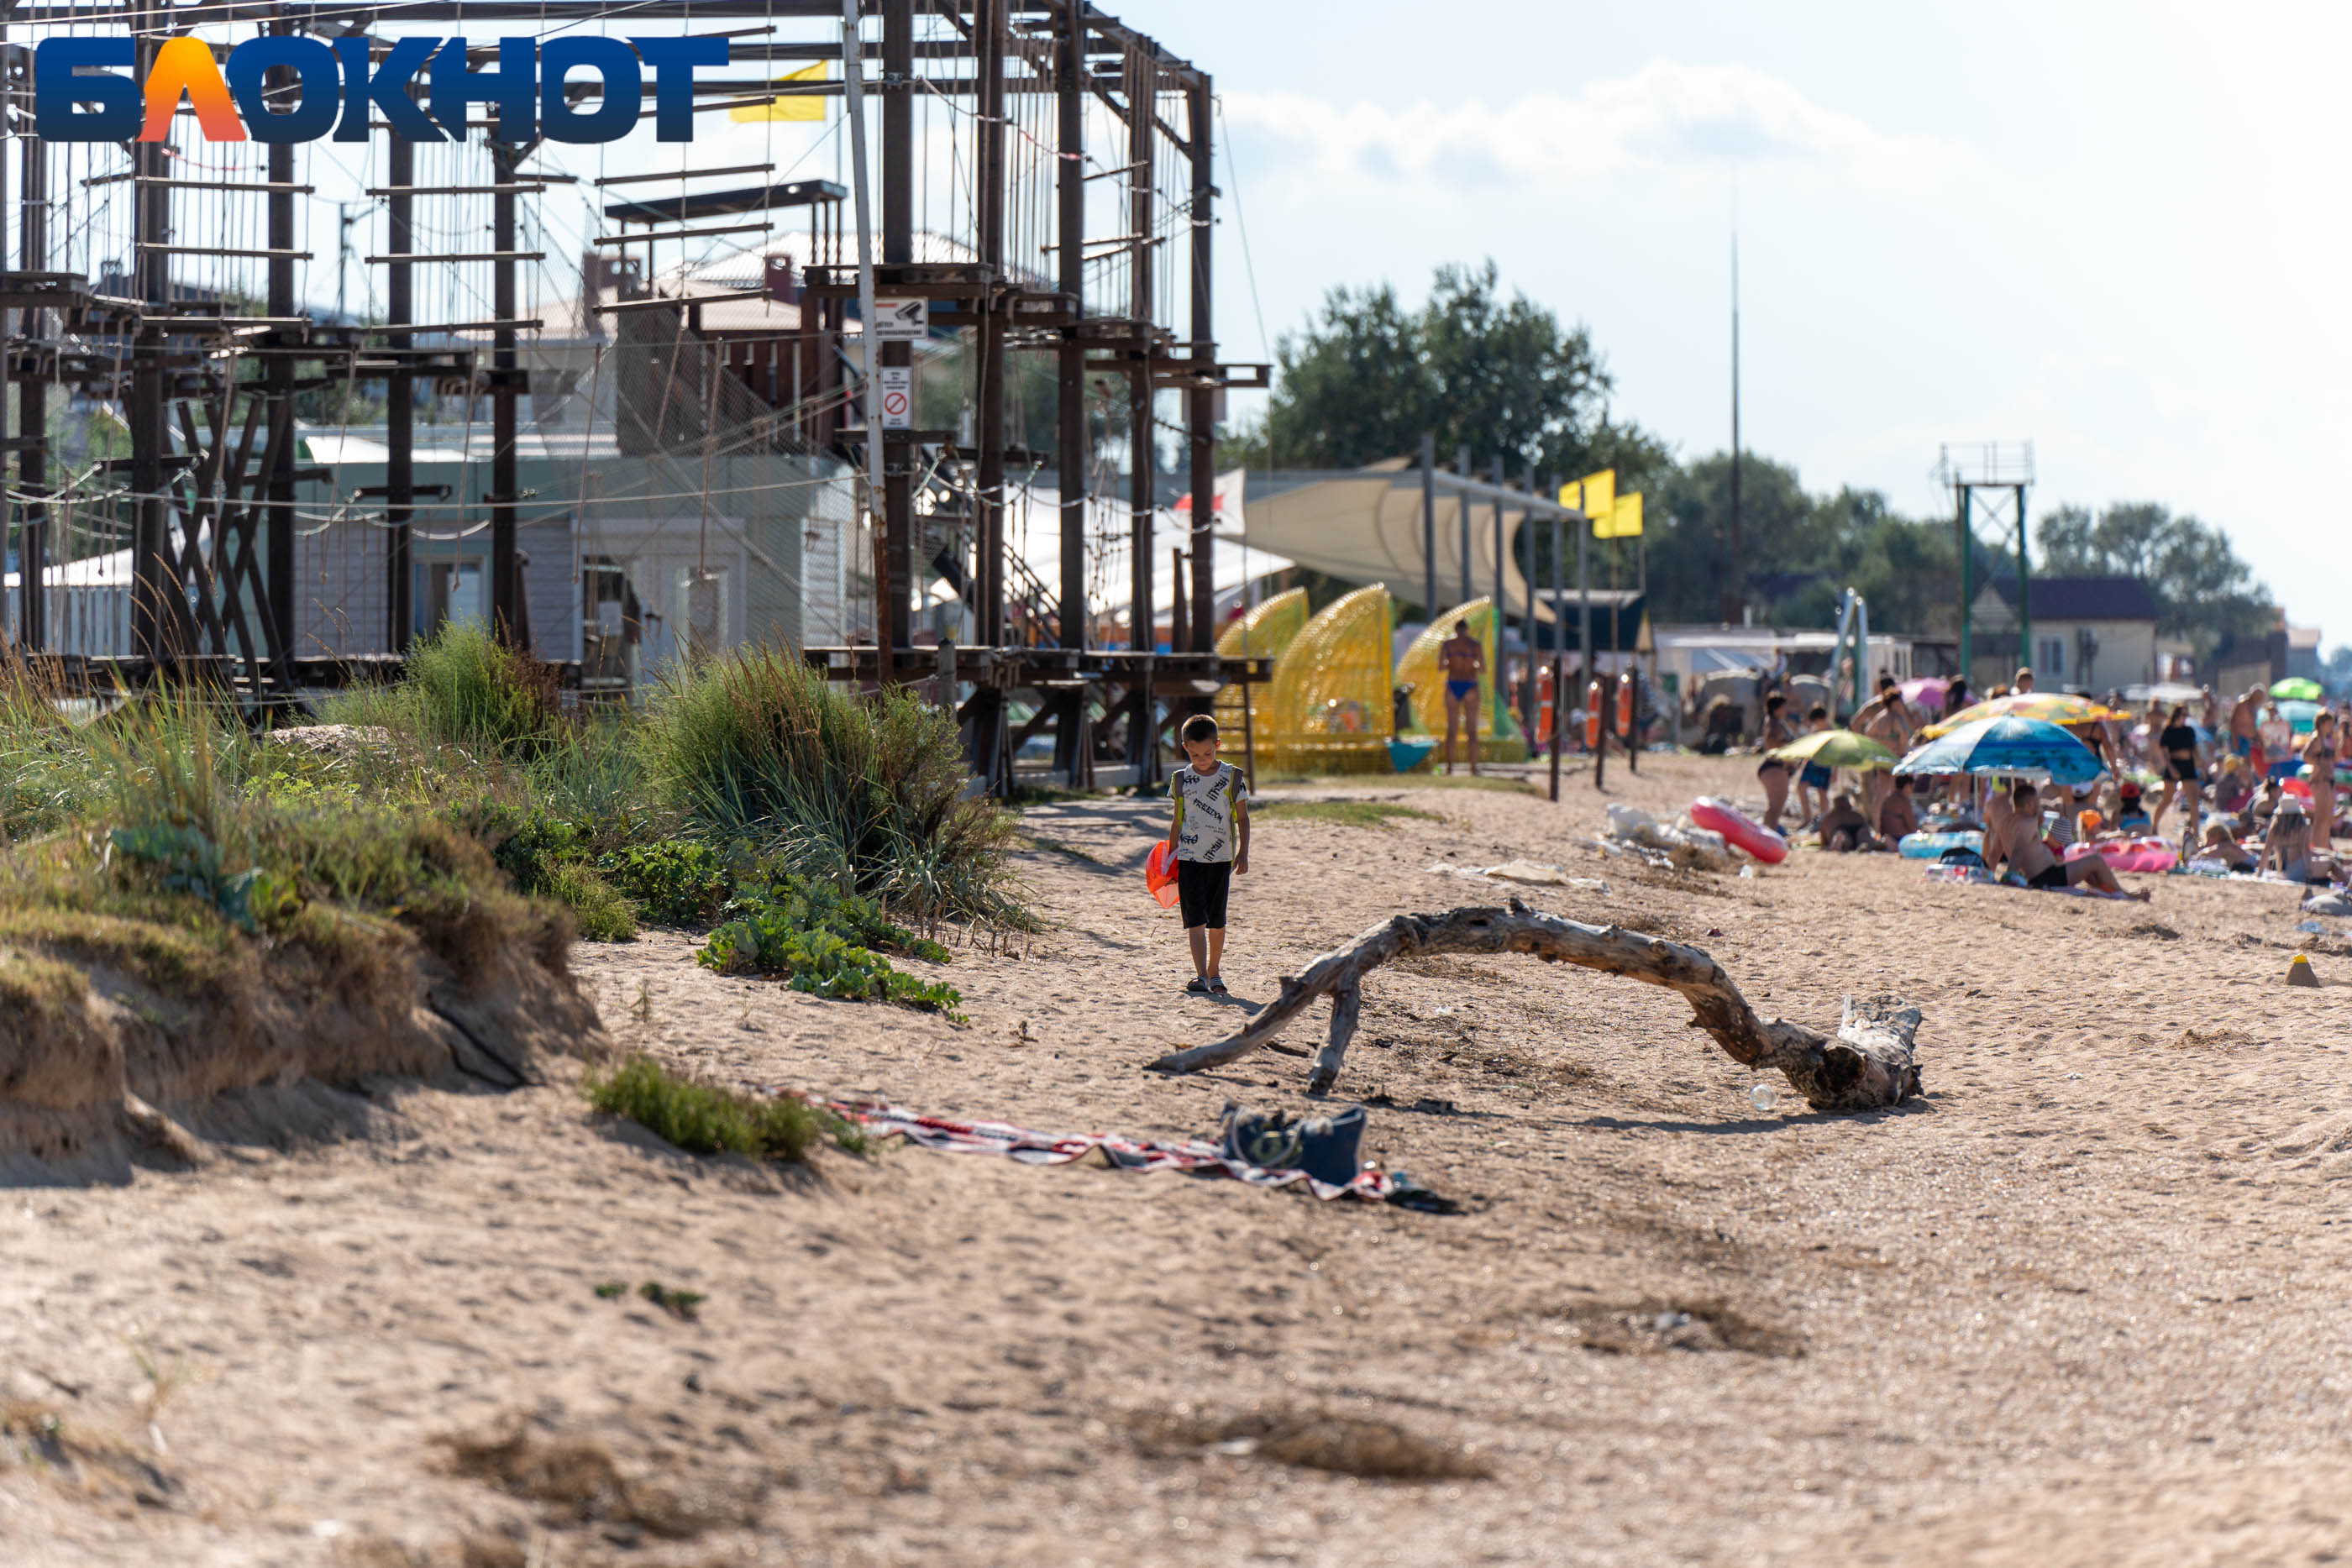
1328, 1149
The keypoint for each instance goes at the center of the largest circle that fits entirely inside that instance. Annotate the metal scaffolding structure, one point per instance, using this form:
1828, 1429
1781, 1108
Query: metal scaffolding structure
1989, 482
1065, 163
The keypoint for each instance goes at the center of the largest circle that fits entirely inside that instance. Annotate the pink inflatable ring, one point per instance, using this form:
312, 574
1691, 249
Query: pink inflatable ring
1739, 829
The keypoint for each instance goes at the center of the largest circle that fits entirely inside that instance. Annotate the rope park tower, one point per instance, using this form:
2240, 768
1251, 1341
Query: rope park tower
1043, 195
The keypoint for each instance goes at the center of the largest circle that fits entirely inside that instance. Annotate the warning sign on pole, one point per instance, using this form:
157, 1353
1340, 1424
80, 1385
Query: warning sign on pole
902, 321
897, 397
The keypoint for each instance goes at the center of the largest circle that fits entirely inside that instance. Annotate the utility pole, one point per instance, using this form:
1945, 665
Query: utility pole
2024, 590
1591, 677
1070, 364
1201, 400
1429, 527
1527, 535
1559, 651
894, 588
1462, 467
852, 86
988, 712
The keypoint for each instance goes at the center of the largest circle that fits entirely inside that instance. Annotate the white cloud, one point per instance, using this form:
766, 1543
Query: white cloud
1665, 116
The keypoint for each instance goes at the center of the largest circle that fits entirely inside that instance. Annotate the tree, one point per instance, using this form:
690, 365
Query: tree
2203, 591
1799, 552
1688, 520
1367, 377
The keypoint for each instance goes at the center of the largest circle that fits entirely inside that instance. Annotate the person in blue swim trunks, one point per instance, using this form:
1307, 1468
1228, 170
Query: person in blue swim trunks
1813, 783
1465, 658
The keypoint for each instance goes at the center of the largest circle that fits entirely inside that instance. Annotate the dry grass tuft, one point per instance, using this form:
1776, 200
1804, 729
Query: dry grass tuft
97, 1463
1319, 1440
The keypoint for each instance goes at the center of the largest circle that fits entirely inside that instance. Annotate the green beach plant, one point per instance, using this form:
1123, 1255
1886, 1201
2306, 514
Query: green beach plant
865, 792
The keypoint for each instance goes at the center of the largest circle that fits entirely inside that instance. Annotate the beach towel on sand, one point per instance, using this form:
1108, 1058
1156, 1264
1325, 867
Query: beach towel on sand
1032, 1148
1978, 876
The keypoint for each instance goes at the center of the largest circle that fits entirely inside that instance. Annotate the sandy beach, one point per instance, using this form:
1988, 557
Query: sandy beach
2085, 1302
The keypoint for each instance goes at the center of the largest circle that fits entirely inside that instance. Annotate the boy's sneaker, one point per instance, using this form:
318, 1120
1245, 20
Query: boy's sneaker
1216, 985
1198, 985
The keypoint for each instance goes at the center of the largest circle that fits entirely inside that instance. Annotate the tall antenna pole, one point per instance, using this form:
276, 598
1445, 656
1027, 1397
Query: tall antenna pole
1733, 577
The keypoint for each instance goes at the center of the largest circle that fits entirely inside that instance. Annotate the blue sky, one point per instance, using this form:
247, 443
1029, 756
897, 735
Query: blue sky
2115, 231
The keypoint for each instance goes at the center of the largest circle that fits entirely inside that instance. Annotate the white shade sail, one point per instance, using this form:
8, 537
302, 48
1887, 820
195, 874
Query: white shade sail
1371, 530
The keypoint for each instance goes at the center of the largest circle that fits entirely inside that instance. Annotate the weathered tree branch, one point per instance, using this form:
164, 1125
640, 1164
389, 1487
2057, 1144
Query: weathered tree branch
1868, 1063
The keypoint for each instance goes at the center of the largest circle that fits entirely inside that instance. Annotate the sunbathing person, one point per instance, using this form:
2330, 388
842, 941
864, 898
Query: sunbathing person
1998, 816
2222, 845
1897, 818
2131, 814
1842, 829
2029, 858
2262, 807
2234, 788
2288, 845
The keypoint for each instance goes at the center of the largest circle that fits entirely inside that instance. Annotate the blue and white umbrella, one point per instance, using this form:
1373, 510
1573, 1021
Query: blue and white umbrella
2008, 744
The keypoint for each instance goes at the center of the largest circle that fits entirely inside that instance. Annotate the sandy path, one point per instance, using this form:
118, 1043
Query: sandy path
2086, 1303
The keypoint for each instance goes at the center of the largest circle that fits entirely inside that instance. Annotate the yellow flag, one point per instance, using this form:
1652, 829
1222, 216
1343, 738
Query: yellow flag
1624, 521
798, 106
1595, 495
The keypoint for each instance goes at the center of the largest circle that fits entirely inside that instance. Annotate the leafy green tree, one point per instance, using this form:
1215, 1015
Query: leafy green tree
1799, 552
2204, 592
1364, 379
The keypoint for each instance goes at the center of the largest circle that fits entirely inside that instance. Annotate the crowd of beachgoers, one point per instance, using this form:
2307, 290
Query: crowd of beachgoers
2059, 789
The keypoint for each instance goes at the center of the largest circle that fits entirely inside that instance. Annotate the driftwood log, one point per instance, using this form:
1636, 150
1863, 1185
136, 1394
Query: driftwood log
1865, 1065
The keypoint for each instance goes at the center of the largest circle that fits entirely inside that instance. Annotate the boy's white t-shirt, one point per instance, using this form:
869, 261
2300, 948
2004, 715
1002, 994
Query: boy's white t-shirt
1204, 821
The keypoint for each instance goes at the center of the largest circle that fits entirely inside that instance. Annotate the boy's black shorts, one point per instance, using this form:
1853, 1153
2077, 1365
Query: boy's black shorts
1200, 889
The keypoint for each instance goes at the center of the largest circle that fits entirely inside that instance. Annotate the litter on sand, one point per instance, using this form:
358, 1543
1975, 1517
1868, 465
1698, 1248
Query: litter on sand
1313, 1150
1533, 873
1679, 843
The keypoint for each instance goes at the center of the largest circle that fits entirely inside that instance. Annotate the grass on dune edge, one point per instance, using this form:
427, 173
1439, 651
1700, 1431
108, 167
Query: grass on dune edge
461, 813
704, 1118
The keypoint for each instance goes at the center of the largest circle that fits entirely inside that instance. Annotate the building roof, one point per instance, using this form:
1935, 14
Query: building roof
2304, 637
2083, 598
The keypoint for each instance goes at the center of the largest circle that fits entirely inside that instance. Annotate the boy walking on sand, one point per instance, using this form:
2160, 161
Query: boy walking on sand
1210, 828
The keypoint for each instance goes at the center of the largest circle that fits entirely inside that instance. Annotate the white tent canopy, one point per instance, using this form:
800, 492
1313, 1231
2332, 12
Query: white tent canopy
1369, 528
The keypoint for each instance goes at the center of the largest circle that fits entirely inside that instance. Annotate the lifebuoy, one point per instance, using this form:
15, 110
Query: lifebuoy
1739, 829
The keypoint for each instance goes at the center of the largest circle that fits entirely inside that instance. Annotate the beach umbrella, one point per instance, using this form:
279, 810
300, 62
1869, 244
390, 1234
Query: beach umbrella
2051, 707
2298, 688
2299, 714
2008, 743
1837, 749
1925, 691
